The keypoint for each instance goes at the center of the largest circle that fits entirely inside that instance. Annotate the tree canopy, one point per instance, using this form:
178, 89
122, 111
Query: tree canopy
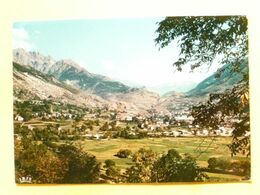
202, 40
172, 167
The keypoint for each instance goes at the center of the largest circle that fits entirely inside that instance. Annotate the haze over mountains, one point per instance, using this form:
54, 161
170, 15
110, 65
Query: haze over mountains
39, 76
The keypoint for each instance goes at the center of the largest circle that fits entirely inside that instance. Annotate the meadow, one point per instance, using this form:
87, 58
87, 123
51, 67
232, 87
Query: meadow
201, 148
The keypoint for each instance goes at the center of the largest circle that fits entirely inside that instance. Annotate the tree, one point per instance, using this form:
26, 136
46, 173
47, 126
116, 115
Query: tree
141, 171
172, 167
230, 107
82, 167
112, 171
202, 40
212, 163
123, 153
39, 163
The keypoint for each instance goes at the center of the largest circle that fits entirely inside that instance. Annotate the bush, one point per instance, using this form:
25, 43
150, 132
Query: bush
241, 167
212, 163
112, 171
123, 153
109, 163
219, 163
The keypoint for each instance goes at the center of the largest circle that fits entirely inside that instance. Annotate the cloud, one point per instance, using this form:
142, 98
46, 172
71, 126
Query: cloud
21, 39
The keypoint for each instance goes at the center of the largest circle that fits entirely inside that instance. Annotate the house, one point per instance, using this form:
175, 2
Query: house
88, 135
19, 118
226, 131
175, 133
166, 133
129, 118
151, 127
203, 132
97, 136
185, 133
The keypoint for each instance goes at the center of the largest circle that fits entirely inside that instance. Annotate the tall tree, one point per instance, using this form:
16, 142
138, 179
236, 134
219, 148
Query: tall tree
202, 40
141, 171
82, 167
173, 167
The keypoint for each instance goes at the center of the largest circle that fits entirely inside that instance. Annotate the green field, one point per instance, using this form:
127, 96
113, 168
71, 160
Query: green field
200, 148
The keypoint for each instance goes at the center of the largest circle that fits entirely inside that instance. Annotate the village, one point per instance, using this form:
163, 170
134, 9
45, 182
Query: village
105, 123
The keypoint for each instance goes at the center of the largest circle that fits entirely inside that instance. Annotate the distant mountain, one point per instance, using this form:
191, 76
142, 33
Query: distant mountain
70, 72
41, 77
136, 100
30, 84
212, 84
182, 86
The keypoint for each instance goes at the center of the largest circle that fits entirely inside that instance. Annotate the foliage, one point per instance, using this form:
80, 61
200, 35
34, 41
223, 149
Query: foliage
172, 167
105, 127
228, 108
201, 40
124, 153
46, 162
82, 167
141, 171
36, 161
112, 171
241, 167
219, 163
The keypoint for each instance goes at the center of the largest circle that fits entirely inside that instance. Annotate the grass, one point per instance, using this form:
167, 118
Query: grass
106, 149
219, 177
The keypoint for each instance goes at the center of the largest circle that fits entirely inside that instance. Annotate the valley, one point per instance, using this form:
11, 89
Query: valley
59, 103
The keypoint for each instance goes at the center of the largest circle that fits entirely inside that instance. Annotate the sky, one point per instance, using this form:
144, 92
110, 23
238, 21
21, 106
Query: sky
122, 49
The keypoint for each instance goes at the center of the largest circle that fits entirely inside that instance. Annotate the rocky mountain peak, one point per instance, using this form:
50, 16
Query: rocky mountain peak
33, 59
69, 62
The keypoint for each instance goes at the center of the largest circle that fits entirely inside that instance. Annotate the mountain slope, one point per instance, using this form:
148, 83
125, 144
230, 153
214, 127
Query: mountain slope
69, 72
31, 84
227, 79
135, 101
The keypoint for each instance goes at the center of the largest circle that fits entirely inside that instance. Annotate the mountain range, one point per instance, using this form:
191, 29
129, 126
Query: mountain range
41, 77
69, 72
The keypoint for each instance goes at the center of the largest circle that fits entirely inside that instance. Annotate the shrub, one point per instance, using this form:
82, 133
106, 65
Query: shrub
238, 167
123, 153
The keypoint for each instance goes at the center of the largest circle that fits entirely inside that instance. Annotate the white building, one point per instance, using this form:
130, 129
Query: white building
19, 118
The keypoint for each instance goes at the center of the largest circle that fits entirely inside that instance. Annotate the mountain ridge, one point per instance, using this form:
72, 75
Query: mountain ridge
219, 83
69, 71
102, 90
